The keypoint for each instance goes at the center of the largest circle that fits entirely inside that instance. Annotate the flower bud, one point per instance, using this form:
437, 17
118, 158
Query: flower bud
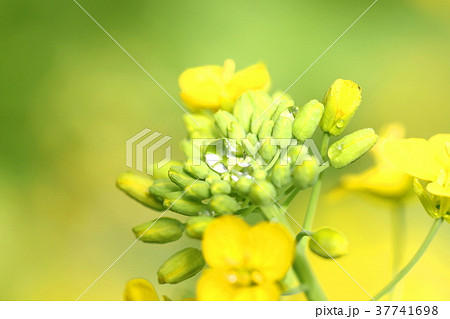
262, 193
162, 172
341, 102
198, 189
243, 185
223, 120
306, 174
137, 187
283, 126
162, 230
243, 110
200, 170
236, 131
181, 266
351, 147
282, 106
183, 204
281, 175
307, 120
204, 122
220, 187
161, 187
179, 176
328, 243
140, 290
195, 226
267, 150
223, 204
263, 108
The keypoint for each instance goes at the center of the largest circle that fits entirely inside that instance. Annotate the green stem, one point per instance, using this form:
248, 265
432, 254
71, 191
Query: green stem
301, 264
398, 244
427, 241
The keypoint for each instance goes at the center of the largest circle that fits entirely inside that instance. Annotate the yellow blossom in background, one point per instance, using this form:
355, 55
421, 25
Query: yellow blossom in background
245, 262
383, 179
140, 290
429, 161
213, 87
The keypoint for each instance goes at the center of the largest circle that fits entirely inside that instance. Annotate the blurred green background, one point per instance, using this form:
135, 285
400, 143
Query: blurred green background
70, 98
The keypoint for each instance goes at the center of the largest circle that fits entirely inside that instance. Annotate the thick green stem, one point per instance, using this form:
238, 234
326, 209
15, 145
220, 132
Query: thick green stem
434, 228
398, 245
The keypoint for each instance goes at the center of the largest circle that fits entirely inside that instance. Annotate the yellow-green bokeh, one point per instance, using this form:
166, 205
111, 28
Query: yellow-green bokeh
70, 98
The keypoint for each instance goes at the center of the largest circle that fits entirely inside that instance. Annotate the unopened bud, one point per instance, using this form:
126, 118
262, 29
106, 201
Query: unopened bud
137, 187
161, 187
267, 150
200, 170
243, 185
178, 175
328, 243
181, 266
223, 204
351, 147
341, 102
307, 120
162, 172
223, 120
183, 204
262, 193
243, 110
282, 128
220, 187
195, 226
199, 189
280, 175
236, 131
162, 230
306, 174
140, 290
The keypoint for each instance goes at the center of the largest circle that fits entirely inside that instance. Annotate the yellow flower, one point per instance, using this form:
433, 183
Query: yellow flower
214, 87
245, 262
427, 160
140, 290
383, 179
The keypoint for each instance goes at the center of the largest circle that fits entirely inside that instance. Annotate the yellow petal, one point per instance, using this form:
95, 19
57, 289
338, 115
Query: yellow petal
224, 242
438, 190
413, 156
392, 131
255, 77
140, 290
271, 250
267, 291
201, 87
439, 143
213, 285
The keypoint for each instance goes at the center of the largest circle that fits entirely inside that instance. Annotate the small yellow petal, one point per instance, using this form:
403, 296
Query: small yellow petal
224, 242
267, 291
201, 87
255, 77
438, 190
140, 290
214, 285
439, 143
413, 156
271, 250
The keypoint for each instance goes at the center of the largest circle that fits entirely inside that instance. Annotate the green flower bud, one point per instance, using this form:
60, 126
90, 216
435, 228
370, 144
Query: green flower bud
236, 131
137, 187
220, 187
223, 120
341, 102
243, 185
161, 187
328, 243
250, 142
282, 106
307, 120
183, 204
283, 126
204, 122
263, 108
267, 151
140, 290
181, 266
195, 226
223, 204
178, 175
262, 193
351, 147
243, 110
259, 174
200, 170
162, 172
199, 189
162, 230
281, 175
306, 175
